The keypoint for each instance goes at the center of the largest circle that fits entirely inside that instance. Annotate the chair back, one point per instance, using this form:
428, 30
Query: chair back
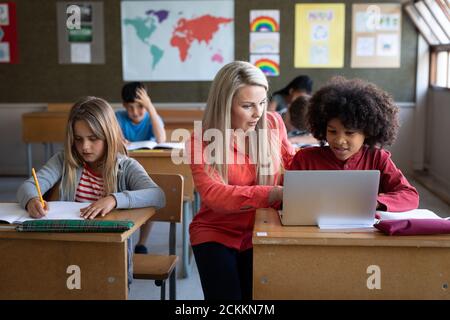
172, 185
53, 193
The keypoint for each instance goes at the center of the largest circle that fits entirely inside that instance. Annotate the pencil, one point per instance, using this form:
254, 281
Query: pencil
38, 188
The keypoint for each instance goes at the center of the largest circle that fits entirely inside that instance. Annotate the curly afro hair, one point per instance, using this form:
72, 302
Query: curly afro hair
359, 105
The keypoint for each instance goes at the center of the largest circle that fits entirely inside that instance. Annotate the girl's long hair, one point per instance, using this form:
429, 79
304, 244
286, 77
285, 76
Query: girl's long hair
101, 119
226, 84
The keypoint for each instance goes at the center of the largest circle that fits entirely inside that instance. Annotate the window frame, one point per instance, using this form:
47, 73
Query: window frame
434, 50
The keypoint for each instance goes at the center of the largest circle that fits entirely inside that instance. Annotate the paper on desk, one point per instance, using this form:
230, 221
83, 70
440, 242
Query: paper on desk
344, 223
345, 226
13, 213
412, 214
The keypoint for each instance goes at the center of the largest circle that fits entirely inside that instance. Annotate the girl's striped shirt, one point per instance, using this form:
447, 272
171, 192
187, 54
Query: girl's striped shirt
90, 188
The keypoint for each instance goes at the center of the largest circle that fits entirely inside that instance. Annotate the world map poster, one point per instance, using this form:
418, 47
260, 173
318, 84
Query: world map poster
176, 40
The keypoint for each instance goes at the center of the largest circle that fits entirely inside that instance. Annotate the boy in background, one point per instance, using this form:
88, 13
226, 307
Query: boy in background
140, 121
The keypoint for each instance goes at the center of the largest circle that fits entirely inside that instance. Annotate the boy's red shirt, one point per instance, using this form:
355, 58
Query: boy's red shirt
395, 192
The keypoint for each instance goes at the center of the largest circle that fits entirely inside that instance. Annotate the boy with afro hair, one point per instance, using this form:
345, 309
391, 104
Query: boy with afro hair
357, 119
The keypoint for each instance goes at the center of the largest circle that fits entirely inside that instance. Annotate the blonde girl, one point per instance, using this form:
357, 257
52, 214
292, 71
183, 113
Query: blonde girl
93, 168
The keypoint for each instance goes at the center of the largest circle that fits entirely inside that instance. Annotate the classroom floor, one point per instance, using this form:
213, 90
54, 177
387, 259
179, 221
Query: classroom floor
190, 288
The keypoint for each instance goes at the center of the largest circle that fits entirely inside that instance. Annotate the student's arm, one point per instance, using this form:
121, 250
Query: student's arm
140, 190
396, 193
296, 163
47, 176
157, 125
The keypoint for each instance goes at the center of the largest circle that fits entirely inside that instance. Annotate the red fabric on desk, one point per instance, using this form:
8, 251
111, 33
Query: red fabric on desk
409, 227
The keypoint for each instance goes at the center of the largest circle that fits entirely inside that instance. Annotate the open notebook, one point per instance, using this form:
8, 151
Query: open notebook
58, 210
148, 144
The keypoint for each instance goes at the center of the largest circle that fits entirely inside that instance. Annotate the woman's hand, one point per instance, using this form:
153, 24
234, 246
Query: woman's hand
102, 206
276, 194
35, 209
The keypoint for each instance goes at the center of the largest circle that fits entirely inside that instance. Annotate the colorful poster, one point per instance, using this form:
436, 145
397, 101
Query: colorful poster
80, 32
176, 40
376, 35
8, 33
319, 35
265, 41
265, 20
269, 63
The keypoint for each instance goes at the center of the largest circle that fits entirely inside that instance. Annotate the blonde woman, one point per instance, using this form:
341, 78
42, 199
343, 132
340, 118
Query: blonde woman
237, 126
93, 168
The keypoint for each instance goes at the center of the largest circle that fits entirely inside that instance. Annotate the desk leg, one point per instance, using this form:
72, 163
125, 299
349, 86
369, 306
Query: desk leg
172, 251
185, 269
29, 158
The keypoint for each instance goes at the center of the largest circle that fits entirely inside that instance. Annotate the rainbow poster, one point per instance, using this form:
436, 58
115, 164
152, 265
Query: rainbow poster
264, 21
265, 41
269, 64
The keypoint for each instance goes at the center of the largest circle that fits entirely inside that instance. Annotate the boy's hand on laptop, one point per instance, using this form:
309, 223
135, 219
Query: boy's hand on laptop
276, 194
35, 209
101, 207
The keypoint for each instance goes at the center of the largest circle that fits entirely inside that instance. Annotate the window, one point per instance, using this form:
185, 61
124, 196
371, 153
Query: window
432, 19
442, 73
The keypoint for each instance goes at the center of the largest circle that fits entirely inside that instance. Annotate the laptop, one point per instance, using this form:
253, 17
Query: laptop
327, 198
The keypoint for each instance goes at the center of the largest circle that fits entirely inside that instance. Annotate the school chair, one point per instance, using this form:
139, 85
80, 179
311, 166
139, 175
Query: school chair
163, 267
53, 193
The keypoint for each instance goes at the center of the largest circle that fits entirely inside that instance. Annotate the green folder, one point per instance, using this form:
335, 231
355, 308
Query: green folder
75, 226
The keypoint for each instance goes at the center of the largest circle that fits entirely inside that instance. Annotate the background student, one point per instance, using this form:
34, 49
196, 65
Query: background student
301, 85
357, 119
221, 232
93, 168
295, 121
139, 122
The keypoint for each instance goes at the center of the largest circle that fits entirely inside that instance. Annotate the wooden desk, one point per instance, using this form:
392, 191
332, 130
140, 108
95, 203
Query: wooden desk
309, 263
34, 265
160, 161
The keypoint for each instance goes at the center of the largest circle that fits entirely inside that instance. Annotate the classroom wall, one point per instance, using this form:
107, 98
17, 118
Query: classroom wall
438, 133
39, 79
38, 50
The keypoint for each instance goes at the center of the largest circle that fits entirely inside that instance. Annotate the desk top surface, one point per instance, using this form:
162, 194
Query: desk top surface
155, 153
268, 230
170, 116
138, 216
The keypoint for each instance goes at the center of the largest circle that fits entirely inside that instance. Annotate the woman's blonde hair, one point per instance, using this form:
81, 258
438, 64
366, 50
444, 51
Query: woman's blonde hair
226, 84
101, 119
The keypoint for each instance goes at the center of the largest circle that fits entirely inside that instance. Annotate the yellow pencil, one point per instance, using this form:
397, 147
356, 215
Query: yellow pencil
38, 188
